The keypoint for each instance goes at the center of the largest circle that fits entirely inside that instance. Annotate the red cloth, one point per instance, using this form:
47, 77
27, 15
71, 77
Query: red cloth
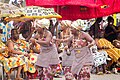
70, 9
30, 2
49, 2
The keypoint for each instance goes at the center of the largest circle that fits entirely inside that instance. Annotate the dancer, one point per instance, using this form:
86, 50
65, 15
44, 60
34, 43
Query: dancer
81, 42
67, 57
48, 59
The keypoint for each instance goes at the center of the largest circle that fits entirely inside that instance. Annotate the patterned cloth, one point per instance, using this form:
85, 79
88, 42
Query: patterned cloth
40, 12
113, 52
21, 45
9, 27
84, 73
11, 62
99, 57
6, 34
2, 52
68, 74
83, 57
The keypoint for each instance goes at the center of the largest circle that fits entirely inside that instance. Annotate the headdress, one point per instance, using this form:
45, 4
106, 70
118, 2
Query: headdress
43, 23
67, 23
78, 24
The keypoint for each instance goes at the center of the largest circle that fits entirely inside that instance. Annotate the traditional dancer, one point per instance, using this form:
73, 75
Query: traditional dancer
67, 57
48, 59
81, 42
83, 58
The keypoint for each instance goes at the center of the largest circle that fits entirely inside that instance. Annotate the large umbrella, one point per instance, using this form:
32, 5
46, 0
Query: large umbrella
45, 2
83, 9
35, 12
86, 9
40, 12
7, 6
9, 10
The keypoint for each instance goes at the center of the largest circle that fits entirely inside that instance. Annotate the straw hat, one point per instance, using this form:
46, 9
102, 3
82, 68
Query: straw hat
67, 23
43, 23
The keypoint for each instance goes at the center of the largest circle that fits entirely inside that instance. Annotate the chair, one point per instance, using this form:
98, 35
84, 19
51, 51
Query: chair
1, 65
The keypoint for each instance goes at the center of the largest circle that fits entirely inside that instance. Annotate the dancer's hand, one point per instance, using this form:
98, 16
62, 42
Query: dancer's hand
32, 40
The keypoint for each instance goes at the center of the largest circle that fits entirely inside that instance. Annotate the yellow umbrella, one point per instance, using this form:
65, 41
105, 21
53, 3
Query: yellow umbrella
36, 12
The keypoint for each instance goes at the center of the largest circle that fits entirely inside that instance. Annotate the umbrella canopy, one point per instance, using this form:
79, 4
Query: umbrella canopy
40, 12
9, 10
87, 3
81, 9
45, 2
7, 6
35, 12
87, 9
50, 2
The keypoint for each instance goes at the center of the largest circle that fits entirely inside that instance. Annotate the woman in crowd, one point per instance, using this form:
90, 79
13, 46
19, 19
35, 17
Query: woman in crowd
48, 57
113, 52
18, 48
83, 58
111, 30
13, 60
67, 57
100, 56
65, 27
81, 42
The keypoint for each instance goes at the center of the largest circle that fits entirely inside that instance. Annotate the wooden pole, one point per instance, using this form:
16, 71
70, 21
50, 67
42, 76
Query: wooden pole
57, 27
115, 19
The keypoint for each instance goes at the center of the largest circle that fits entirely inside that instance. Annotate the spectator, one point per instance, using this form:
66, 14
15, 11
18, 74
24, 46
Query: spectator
95, 28
112, 51
111, 30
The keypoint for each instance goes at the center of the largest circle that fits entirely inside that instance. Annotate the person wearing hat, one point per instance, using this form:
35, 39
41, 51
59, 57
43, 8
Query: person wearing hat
65, 33
81, 42
67, 57
48, 57
65, 27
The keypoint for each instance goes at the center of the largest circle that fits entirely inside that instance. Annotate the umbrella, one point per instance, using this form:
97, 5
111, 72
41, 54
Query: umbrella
81, 9
69, 9
40, 12
87, 9
35, 12
45, 2
9, 10
7, 6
